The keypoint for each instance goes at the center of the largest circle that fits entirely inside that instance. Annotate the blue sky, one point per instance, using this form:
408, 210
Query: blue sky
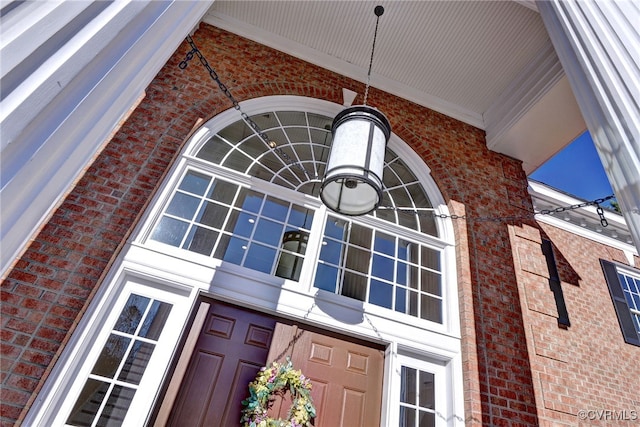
576, 170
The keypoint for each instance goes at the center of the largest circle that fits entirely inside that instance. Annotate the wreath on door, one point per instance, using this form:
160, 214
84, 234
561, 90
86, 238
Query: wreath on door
276, 380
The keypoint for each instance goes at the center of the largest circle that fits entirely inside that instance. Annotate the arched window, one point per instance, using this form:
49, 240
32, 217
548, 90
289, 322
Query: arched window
254, 203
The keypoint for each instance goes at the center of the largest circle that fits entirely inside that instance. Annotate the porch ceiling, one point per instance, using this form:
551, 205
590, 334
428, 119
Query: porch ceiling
471, 60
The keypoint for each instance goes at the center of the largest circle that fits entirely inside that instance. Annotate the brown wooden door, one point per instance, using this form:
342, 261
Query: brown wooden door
346, 376
232, 347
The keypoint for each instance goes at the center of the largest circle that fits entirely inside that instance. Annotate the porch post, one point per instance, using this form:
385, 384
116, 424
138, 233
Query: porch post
598, 44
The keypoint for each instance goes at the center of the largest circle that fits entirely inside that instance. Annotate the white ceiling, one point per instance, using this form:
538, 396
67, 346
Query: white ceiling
488, 63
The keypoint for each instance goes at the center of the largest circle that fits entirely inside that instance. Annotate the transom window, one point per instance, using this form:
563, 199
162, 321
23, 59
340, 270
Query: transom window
218, 211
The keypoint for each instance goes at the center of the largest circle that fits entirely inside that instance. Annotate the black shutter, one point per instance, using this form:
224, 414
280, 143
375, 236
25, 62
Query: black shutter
620, 303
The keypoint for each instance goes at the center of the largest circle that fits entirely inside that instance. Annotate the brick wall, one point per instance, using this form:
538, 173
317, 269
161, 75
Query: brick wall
588, 366
46, 292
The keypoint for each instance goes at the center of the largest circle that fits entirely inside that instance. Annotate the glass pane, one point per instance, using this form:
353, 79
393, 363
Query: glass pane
358, 259
335, 228
381, 294
430, 282
402, 273
116, 407
241, 224
401, 300
431, 258
427, 419
183, 205
300, 217
88, 403
431, 309
214, 150
223, 191
385, 243
407, 417
260, 258
136, 362
212, 214
237, 161
408, 378
170, 231
276, 209
413, 303
231, 249
155, 320
288, 118
408, 219
201, 240
382, 267
195, 183
360, 235
289, 266
331, 251
426, 390
131, 314
249, 200
326, 278
269, 232
354, 286
112, 354
236, 132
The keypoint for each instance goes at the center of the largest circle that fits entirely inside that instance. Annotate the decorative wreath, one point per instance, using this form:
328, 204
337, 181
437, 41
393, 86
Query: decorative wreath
273, 381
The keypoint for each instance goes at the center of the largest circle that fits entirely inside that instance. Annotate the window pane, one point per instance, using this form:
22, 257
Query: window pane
354, 286
331, 251
212, 214
335, 228
269, 232
276, 209
194, 182
360, 235
381, 294
300, 217
431, 258
241, 224
382, 267
201, 240
427, 419
116, 407
430, 282
88, 403
326, 278
132, 314
170, 231
223, 191
260, 258
249, 200
183, 205
155, 320
231, 249
401, 300
426, 391
431, 309
112, 354
408, 385
385, 244
358, 259
289, 266
407, 417
136, 362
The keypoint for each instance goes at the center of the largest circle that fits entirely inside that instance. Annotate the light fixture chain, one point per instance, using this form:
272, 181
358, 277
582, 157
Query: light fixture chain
373, 48
252, 124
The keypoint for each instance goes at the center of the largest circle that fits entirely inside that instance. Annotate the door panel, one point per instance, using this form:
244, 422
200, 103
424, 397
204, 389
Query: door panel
346, 376
232, 347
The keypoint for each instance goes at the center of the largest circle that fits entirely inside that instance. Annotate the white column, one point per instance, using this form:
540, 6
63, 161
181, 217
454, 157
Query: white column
598, 43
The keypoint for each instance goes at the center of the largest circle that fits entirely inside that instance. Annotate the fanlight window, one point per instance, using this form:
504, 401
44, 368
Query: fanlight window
212, 214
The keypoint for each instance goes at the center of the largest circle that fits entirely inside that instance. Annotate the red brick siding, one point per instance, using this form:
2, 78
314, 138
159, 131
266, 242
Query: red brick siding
587, 366
45, 294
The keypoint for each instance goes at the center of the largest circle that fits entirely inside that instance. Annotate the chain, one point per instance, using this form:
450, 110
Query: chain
252, 124
291, 162
596, 202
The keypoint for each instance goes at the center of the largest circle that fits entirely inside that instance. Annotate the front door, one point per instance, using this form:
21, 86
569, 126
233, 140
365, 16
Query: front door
234, 343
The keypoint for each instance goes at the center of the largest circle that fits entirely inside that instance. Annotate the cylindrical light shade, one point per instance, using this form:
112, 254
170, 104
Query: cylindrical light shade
353, 180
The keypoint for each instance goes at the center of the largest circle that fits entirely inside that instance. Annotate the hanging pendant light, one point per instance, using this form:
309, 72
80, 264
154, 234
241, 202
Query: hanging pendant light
353, 180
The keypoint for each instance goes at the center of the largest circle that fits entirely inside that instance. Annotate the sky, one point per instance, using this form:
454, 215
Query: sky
576, 170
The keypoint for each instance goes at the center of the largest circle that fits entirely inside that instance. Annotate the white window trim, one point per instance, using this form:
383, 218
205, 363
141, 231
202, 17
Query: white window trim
179, 276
